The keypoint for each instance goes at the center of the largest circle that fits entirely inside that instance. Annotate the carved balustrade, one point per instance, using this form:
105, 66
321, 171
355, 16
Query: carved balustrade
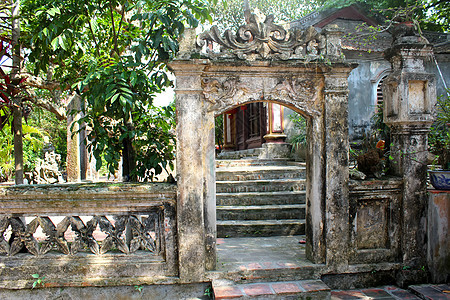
89, 234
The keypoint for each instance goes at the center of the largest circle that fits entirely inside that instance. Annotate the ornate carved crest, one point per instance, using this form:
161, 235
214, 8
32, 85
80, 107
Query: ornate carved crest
261, 38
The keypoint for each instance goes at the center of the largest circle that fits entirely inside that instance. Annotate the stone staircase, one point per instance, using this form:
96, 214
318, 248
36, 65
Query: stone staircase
260, 197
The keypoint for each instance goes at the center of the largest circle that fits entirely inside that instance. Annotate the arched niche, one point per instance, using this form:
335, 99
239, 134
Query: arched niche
208, 86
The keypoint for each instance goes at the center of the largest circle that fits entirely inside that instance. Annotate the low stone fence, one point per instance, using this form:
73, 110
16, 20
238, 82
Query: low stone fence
88, 234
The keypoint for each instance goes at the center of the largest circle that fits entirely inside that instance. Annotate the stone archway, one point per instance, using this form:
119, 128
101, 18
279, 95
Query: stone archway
272, 66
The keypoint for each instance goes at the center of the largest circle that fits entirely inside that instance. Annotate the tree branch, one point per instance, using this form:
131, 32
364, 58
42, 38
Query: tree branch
92, 32
37, 82
58, 110
113, 28
55, 105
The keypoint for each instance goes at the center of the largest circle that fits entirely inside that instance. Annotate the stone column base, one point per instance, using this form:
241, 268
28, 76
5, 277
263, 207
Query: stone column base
275, 138
278, 150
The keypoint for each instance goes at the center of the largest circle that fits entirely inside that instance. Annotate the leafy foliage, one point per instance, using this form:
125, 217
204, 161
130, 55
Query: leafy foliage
33, 142
114, 53
299, 139
54, 130
439, 137
432, 15
218, 132
155, 142
230, 13
39, 281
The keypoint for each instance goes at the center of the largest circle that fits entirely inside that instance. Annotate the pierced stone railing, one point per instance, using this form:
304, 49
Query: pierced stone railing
87, 234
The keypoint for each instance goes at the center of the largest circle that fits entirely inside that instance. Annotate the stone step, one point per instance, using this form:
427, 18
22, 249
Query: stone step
233, 163
270, 185
256, 198
248, 228
261, 212
240, 154
260, 172
299, 289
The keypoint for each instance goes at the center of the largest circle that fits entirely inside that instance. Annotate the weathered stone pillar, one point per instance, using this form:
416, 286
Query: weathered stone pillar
73, 141
336, 167
209, 169
315, 205
191, 154
409, 94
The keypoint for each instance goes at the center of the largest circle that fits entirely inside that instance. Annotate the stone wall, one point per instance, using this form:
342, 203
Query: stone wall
138, 292
438, 235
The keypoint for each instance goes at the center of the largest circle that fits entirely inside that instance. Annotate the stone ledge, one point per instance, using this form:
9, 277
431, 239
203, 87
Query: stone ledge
84, 271
387, 183
46, 191
95, 198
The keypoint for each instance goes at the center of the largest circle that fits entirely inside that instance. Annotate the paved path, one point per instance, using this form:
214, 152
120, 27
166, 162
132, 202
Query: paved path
268, 254
426, 291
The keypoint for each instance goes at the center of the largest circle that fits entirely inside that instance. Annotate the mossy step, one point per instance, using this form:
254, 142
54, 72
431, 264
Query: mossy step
261, 198
267, 185
230, 163
260, 173
261, 212
247, 228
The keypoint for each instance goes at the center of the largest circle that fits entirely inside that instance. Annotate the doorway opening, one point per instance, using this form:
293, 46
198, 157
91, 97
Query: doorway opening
261, 161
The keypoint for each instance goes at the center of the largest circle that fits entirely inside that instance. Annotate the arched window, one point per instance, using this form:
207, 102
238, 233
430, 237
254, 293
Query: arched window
377, 82
379, 99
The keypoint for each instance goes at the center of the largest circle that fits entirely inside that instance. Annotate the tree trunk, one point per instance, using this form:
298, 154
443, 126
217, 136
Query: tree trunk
128, 159
18, 144
17, 106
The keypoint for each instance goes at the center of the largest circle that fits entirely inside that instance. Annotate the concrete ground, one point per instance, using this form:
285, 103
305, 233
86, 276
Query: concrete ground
235, 252
286, 253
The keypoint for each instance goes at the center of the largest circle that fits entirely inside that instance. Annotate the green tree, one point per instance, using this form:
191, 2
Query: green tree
432, 15
33, 142
230, 13
11, 91
113, 53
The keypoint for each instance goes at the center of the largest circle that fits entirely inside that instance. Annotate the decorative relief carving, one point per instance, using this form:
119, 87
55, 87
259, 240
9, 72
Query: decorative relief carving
230, 91
261, 38
294, 88
126, 233
372, 224
220, 91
